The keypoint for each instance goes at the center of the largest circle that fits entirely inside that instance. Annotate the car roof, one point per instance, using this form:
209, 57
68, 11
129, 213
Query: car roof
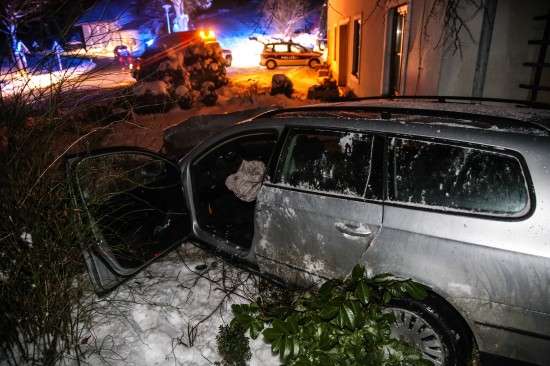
285, 42
506, 117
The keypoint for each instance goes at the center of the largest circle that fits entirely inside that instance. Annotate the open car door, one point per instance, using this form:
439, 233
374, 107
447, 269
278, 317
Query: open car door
133, 201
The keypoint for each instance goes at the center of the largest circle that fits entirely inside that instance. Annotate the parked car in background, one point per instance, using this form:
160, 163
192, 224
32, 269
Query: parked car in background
452, 195
288, 54
122, 56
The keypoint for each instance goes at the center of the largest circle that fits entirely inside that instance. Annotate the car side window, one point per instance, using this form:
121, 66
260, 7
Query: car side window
296, 48
280, 47
457, 177
327, 161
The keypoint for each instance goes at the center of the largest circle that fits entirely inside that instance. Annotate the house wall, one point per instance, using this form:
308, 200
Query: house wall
371, 60
514, 27
98, 34
430, 66
106, 36
424, 50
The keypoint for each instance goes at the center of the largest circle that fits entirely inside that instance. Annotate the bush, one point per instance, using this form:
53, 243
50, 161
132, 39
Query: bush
233, 345
343, 323
42, 278
173, 80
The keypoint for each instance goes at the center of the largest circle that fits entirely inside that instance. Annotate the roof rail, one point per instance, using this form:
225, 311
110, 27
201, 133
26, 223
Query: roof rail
445, 99
496, 120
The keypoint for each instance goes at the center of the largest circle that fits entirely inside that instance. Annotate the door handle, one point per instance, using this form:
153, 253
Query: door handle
354, 230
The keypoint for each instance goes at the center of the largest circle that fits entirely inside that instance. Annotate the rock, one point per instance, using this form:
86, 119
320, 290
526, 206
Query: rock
327, 90
281, 84
208, 94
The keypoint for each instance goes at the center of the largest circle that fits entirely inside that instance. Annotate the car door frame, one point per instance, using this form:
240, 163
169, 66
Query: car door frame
203, 238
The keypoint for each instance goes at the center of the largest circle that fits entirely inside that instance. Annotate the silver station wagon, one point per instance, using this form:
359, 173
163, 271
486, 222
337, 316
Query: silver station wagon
453, 195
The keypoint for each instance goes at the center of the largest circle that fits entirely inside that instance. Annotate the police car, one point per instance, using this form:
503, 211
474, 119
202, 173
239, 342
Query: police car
288, 54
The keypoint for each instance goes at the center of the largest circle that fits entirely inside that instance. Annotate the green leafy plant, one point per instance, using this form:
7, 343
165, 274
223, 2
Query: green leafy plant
343, 323
233, 345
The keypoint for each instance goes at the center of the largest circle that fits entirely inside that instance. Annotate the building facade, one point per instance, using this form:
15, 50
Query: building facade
420, 47
109, 24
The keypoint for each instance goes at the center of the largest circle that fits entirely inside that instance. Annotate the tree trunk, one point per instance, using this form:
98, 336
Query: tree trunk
182, 19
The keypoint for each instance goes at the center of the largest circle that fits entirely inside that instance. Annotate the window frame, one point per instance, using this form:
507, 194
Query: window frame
356, 46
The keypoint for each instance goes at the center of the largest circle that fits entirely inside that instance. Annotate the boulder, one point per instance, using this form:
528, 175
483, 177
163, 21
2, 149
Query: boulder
281, 84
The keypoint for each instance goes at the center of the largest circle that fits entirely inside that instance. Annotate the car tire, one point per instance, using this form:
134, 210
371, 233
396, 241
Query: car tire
271, 64
313, 63
433, 327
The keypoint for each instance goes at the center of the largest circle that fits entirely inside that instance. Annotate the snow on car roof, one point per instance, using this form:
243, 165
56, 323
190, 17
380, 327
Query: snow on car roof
496, 117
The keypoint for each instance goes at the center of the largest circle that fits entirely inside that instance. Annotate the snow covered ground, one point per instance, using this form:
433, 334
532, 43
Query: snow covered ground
170, 314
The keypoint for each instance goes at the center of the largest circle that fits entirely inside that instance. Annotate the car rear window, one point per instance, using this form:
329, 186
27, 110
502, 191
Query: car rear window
328, 161
456, 177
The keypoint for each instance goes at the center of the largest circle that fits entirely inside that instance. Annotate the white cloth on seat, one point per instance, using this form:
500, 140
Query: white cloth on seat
247, 181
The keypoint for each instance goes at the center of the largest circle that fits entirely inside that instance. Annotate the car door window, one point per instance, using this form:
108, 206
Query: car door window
456, 177
330, 162
135, 206
294, 48
225, 182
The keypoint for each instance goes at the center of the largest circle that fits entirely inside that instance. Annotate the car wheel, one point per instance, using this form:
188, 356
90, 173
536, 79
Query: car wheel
271, 64
432, 328
313, 63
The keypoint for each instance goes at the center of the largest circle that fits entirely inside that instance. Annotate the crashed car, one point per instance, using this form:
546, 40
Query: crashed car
288, 54
452, 195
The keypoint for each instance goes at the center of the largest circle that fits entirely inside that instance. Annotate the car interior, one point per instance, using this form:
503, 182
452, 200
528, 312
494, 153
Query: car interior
218, 210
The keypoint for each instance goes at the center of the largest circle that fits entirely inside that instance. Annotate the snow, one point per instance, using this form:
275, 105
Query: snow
170, 314
11, 83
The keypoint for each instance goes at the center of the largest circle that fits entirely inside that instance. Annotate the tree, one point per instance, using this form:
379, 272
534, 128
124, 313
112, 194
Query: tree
283, 17
184, 8
14, 13
155, 18
152, 15
19, 17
